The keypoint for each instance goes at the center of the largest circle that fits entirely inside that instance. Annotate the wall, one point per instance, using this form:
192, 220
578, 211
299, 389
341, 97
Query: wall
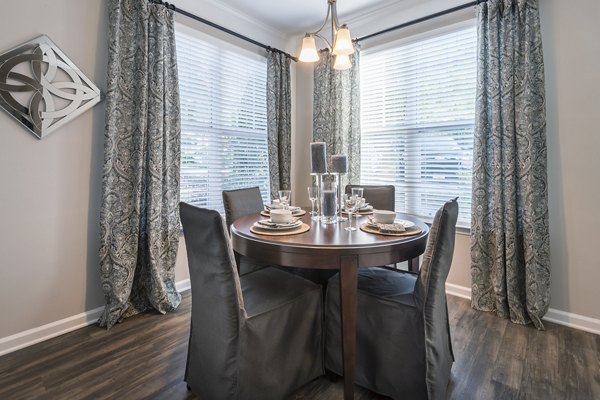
50, 189
572, 62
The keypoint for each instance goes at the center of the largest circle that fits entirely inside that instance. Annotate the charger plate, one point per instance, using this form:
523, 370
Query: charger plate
413, 230
301, 229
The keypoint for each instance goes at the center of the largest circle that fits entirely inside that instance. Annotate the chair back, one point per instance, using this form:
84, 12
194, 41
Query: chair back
381, 197
217, 303
240, 202
430, 292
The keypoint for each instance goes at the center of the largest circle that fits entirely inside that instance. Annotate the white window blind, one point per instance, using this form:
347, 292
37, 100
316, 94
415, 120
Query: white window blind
223, 121
417, 120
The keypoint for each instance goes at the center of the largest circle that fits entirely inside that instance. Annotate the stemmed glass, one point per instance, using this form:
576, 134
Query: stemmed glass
284, 198
312, 196
353, 204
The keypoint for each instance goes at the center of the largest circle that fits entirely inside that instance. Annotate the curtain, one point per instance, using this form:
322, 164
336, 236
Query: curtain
510, 261
336, 111
139, 220
279, 120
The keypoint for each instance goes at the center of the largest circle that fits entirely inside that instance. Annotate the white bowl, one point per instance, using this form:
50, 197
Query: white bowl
384, 216
280, 216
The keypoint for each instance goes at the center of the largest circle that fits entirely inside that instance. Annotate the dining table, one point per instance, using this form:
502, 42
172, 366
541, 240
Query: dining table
330, 246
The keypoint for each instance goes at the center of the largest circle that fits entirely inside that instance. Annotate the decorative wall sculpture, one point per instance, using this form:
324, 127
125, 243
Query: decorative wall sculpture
42, 88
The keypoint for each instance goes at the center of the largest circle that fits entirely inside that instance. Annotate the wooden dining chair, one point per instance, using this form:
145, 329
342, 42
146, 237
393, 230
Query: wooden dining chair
403, 343
255, 336
237, 203
381, 197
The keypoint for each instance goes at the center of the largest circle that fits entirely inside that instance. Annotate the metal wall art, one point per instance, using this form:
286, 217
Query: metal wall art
42, 88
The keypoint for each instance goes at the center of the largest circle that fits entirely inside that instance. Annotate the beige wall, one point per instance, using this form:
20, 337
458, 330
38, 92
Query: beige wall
50, 189
572, 58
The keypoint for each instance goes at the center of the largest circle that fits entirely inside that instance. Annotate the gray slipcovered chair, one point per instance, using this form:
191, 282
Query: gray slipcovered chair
256, 336
403, 344
381, 197
237, 203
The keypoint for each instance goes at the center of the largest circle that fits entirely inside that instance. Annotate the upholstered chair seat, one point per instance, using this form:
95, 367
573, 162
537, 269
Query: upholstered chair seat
255, 336
403, 344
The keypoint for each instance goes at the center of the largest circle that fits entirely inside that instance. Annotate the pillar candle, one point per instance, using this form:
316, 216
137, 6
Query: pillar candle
339, 164
318, 158
329, 203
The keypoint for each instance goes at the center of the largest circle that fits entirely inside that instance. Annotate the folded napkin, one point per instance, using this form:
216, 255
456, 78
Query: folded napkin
270, 224
292, 208
391, 228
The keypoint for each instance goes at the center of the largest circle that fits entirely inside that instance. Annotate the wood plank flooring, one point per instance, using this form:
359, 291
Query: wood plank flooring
144, 358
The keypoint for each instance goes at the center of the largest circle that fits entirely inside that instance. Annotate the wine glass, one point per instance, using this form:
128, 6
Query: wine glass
284, 198
357, 192
312, 196
353, 204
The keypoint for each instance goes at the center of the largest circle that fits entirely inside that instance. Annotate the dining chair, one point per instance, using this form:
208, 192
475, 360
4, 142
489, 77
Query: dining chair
256, 336
381, 197
237, 203
403, 342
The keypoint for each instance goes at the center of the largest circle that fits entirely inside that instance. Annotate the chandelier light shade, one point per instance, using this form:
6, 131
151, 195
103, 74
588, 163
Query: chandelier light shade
342, 62
309, 50
341, 45
343, 42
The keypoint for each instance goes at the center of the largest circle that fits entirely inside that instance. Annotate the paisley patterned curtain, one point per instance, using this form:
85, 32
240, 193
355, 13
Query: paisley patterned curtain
336, 111
139, 218
279, 120
510, 261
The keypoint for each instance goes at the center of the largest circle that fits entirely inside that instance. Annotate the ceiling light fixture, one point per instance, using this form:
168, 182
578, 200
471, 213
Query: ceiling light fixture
341, 45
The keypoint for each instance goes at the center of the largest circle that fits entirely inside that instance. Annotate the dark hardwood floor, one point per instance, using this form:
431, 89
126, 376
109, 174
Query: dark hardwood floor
144, 358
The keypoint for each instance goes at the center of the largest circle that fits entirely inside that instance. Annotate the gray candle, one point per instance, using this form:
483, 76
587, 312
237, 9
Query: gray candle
318, 158
329, 203
339, 164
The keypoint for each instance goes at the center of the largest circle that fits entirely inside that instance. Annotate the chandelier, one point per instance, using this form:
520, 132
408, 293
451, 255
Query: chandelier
340, 46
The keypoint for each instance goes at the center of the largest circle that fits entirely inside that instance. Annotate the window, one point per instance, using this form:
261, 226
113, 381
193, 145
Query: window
223, 120
417, 120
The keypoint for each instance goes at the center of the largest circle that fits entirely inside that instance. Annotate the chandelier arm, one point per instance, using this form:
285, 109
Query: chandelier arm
316, 33
329, 45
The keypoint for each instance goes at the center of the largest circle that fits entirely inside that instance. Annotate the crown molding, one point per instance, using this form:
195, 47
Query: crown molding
230, 11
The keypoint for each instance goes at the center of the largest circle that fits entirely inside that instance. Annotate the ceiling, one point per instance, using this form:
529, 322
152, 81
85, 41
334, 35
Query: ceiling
292, 16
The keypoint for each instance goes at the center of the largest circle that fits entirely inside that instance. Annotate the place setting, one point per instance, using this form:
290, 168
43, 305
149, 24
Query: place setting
384, 222
281, 222
283, 202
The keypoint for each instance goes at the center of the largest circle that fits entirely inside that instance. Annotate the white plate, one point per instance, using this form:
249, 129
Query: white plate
407, 224
264, 224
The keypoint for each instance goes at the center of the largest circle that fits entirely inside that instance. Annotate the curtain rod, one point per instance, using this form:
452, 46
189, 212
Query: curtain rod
188, 14
422, 19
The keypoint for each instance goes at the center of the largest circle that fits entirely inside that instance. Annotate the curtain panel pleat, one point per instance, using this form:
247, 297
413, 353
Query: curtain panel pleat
139, 220
279, 121
510, 255
336, 111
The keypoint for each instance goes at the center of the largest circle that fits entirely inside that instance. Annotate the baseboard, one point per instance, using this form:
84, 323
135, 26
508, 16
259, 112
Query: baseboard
458, 291
32, 336
571, 320
576, 321
35, 335
183, 285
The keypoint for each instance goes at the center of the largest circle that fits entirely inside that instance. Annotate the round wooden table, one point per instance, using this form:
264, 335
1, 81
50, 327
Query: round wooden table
332, 247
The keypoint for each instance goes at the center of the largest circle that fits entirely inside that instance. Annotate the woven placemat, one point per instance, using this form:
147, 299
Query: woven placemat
413, 230
301, 229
